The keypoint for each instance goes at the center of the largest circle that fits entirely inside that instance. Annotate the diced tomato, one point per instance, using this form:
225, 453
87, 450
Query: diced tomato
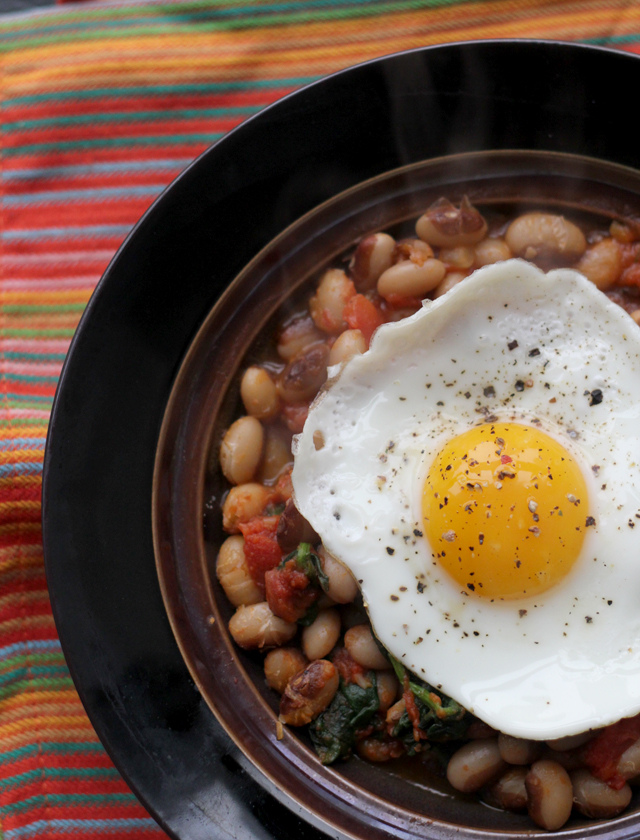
283, 490
402, 302
289, 592
295, 415
350, 671
602, 753
362, 314
630, 276
261, 548
412, 709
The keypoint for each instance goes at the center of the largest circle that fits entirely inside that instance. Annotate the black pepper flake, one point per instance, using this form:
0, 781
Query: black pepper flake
471, 587
420, 587
595, 397
534, 352
390, 550
417, 533
489, 391
480, 538
394, 598
512, 344
590, 521
588, 619
519, 385
439, 402
522, 613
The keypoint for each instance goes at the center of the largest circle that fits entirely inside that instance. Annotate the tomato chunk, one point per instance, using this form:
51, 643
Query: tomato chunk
360, 313
261, 548
602, 754
289, 592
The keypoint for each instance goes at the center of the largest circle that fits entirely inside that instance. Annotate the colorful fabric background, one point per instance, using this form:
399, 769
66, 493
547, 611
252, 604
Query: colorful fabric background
101, 105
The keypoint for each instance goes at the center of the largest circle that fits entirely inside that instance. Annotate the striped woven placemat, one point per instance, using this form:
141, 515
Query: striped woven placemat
102, 104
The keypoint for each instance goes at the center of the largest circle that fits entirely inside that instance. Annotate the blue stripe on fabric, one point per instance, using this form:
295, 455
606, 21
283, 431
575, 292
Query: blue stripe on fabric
159, 90
33, 646
21, 443
21, 468
65, 232
98, 194
11, 127
95, 168
80, 827
24, 149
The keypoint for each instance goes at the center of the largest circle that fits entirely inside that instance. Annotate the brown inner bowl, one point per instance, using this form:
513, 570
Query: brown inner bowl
353, 799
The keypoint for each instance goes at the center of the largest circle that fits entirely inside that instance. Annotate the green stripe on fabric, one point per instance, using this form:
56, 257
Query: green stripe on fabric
34, 674
35, 357
42, 308
70, 800
133, 22
27, 332
288, 83
18, 661
53, 773
26, 149
29, 684
58, 748
136, 117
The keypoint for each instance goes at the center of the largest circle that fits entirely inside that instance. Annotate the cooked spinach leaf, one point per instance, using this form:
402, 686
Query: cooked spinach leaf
308, 562
441, 717
333, 731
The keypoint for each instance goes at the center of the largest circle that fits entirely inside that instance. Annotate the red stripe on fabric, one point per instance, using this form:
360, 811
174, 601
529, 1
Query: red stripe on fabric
160, 151
139, 105
59, 215
125, 129
112, 179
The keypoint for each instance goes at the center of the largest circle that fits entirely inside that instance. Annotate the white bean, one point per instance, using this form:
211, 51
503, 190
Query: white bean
518, 750
296, 335
411, 279
362, 647
570, 742
491, 251
509, 792
596, 799
328, 303
543, 235
276, 453
281, 665
550, 794
629, 761
309, 693
258, 393
256, 627
373, 255
447, 226
387, 685
348, 344
460, 257
233, 573
342, 585
451, 279
321, 636
601, 263
242, 503
475, 764
241, 450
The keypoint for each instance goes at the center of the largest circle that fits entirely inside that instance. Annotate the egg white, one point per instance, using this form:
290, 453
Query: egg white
545, 667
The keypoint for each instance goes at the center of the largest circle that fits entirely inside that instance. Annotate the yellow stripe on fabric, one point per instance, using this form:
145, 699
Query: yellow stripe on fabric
78, 295
16, 529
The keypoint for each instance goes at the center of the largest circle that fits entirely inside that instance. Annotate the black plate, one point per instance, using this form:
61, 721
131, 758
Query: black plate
148, 306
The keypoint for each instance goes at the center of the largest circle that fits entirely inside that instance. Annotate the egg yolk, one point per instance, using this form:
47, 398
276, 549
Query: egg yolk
505, 510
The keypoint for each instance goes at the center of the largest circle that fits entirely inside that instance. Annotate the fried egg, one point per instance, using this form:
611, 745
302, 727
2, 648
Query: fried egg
478, 471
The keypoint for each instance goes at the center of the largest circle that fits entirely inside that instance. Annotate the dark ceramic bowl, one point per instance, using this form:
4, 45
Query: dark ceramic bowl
149, 385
